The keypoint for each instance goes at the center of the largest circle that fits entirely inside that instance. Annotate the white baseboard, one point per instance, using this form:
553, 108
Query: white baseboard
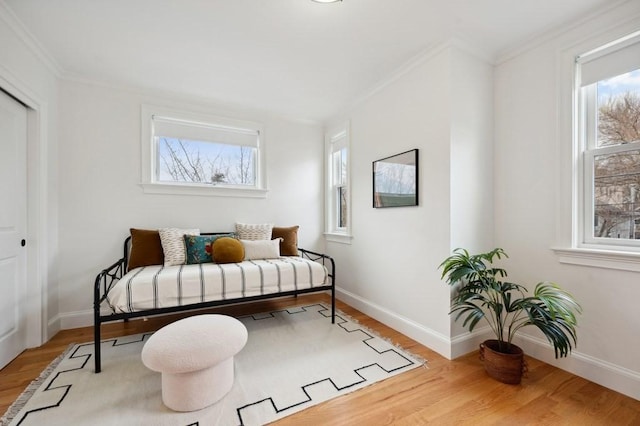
426, 336
69, 320
596, 370
448, 348
53, 327
469, 342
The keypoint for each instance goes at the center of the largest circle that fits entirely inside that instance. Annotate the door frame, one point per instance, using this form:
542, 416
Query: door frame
38, 228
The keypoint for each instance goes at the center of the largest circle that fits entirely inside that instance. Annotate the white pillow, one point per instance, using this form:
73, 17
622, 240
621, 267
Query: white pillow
172, 240
258, 231
261, 249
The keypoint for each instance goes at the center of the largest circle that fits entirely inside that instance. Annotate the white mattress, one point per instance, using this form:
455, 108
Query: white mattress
152, 287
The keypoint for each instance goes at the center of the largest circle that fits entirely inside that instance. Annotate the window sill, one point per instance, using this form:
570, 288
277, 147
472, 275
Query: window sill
599, 258
338, 238
206, 191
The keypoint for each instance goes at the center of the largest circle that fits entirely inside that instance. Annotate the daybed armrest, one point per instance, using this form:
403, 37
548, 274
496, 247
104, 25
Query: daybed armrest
326, 260
110, 275
107, 279
329, 263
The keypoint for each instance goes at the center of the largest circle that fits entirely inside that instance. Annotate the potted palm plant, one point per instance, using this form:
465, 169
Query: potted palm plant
480, 293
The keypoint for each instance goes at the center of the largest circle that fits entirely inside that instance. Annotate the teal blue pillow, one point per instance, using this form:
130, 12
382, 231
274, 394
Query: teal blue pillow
199, 247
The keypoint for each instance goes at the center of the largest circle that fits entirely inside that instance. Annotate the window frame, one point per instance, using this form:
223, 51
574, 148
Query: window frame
336, 140
149, 156
568, 247
585, 131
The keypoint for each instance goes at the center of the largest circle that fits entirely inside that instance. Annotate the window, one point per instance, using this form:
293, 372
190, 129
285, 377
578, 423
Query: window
199, 154
608, 129
340, 191
338, 205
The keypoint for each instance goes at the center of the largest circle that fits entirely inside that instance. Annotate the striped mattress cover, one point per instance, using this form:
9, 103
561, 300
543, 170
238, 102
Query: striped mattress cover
152, 287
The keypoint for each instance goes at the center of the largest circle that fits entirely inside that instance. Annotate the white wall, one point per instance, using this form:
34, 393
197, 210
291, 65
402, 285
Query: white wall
471, 152
439, 105
390, 270
32, 79
533, 202
471, 161
100, 196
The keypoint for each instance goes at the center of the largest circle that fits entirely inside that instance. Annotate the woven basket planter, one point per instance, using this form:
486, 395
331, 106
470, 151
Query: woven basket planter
504, 367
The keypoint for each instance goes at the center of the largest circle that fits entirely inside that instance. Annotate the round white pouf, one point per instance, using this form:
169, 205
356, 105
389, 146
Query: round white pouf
195, 357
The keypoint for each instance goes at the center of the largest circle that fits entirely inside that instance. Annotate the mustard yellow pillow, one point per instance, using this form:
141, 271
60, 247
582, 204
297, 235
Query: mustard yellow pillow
227, 250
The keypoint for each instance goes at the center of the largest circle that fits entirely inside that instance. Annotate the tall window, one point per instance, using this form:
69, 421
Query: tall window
194, 151
338, 209
609, 134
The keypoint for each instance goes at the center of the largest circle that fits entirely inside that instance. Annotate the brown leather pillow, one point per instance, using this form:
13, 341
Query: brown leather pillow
289, 242
227, 250
146, 248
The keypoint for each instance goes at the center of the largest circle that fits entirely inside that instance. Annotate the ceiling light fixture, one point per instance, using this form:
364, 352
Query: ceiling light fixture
326, 1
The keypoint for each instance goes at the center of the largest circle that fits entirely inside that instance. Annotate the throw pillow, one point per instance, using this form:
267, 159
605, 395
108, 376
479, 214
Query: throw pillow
248, 231
289, 242
227, 250
199, 248
261, 249
146, 248
173, 244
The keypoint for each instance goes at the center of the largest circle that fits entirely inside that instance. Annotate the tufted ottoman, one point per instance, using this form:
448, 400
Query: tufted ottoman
195, 357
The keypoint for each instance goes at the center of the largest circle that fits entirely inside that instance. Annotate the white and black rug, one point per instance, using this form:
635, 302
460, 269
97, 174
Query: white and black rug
294, 358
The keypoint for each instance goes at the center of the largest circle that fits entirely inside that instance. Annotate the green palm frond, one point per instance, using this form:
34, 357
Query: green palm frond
559, 302
473, 314
481, 294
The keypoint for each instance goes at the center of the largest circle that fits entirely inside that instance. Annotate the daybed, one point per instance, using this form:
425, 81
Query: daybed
121, 294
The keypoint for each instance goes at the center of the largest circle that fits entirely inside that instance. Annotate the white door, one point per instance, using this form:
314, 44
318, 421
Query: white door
13, 214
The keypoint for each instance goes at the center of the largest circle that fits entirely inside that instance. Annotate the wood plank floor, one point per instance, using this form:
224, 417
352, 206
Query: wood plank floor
445, 393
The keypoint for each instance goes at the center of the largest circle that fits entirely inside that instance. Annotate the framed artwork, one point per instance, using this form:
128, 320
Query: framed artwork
395, 180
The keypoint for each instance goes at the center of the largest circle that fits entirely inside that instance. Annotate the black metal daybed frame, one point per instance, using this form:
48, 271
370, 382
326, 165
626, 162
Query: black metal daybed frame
107, 278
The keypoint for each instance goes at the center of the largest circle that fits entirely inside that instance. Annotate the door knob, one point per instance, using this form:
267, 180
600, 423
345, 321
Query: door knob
23, 243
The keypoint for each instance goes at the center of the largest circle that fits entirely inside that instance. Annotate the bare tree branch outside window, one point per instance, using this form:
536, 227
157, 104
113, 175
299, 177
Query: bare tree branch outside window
205, 162
617, 176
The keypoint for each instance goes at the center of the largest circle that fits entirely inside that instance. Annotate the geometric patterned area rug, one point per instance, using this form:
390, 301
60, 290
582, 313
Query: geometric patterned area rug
294, 359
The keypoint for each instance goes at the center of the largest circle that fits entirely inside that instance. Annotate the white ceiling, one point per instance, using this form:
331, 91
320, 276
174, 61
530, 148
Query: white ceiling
292, 57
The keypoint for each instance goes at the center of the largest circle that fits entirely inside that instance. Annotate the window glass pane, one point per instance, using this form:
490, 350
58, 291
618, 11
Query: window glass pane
619, 109
337, 170
617, 195
340, 167
343, 166
191, 161
342, 207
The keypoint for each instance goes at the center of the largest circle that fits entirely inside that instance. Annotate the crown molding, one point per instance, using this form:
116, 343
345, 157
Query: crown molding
425, 55
202, 103
419, 59
552, 33
29, 40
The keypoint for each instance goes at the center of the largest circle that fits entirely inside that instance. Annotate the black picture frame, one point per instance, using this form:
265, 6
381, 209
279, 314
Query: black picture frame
395, 180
